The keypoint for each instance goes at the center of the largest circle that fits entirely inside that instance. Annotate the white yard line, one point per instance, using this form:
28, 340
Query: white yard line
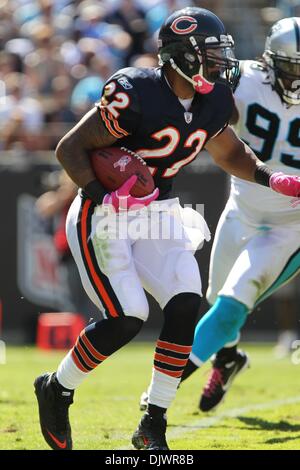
210, 421
202, 423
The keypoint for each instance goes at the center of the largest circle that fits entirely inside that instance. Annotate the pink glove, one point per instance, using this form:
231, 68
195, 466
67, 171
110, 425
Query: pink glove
122, 200
289, 185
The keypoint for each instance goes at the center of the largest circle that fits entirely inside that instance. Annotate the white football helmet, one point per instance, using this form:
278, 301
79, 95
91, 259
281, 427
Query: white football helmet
282, 56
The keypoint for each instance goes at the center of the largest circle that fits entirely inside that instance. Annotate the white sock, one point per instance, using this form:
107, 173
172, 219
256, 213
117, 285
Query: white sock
195, 360
68, 374
162, 389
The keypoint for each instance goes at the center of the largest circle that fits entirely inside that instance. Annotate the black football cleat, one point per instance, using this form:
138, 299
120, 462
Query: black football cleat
221, 377
151, 433
54, 402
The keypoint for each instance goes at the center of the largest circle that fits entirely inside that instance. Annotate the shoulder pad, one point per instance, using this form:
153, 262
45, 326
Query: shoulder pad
252, 67
119, 105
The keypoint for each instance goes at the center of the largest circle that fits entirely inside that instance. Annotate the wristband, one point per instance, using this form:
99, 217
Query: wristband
95, 191
262, 175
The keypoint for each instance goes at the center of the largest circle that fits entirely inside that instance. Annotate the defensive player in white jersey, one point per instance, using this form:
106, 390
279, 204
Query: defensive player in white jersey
256, 248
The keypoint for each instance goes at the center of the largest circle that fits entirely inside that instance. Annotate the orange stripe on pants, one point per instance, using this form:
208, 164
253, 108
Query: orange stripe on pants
95, 277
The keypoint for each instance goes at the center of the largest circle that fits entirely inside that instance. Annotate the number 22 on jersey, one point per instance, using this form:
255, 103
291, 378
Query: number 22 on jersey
173, 136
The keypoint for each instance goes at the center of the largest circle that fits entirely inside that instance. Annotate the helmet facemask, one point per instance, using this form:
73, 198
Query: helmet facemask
202, 61
282, 57
285, 75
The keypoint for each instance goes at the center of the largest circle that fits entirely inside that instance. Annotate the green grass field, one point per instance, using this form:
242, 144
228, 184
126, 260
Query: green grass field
262, 410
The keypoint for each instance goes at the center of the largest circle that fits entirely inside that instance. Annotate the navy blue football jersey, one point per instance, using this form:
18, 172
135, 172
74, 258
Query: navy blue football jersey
139, 108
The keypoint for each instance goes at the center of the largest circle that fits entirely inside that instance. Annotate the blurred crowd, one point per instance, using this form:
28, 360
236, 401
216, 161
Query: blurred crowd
55, 56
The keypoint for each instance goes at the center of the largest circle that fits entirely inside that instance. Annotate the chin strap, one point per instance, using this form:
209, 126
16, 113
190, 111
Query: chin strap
178, 70
200, 84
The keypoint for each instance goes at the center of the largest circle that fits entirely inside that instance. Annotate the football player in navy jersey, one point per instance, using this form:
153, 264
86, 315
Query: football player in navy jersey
167, 115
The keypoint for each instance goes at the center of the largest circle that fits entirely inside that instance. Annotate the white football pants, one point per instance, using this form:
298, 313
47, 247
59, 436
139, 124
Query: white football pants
118, 256
250, 261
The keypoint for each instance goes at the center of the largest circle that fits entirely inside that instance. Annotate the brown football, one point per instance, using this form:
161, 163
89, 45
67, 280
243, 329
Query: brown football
114, 165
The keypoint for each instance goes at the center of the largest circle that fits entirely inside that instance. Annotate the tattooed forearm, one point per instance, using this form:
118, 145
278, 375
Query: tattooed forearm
72, 151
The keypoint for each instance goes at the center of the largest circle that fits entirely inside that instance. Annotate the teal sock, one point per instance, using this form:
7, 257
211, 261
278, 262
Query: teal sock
220, 325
